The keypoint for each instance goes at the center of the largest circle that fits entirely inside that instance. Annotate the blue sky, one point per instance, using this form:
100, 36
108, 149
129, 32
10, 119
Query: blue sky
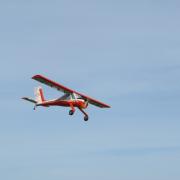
125, 53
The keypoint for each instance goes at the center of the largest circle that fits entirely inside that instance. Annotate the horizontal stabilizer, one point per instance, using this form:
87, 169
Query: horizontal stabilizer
30, 100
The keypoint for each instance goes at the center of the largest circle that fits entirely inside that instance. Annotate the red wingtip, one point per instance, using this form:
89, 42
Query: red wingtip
35, 76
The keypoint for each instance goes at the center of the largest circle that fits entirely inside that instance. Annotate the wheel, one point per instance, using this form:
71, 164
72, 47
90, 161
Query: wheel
71, 112
86, 118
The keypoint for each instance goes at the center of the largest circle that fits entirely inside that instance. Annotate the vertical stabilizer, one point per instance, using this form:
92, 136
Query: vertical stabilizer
39, 96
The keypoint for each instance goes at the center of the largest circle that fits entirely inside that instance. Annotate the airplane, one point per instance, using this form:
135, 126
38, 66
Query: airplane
71, 98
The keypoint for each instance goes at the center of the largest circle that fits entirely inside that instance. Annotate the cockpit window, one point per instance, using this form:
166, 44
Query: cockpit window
76, 96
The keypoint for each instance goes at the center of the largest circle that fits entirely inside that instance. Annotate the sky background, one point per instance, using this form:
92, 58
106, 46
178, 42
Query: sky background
124, 53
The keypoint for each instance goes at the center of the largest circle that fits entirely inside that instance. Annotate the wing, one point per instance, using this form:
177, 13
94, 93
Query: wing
52, 84
93, 101
66, 90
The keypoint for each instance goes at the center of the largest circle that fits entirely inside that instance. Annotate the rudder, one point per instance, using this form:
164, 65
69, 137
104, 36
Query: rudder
39, 96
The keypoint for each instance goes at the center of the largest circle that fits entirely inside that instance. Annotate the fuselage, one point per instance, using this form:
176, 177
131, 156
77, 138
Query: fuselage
80, 103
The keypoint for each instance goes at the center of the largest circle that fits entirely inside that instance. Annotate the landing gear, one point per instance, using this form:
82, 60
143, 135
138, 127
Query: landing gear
71, 112
34, 108
86, 118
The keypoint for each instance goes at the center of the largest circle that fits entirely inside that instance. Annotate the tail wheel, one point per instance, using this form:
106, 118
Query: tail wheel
71, 112
86, 118
34, 108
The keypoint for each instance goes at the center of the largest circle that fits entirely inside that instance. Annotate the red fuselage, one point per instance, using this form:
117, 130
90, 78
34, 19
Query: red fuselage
80, 103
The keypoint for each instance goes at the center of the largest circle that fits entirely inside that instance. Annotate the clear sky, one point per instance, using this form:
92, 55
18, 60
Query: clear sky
124, 53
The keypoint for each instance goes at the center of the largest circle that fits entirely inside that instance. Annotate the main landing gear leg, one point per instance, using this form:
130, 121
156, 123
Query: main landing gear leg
71, 112
86, 117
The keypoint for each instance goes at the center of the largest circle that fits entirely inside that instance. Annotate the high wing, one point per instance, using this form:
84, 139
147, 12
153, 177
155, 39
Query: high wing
66, 90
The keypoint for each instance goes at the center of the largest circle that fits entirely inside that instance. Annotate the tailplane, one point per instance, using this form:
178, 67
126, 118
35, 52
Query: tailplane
39, 96
30, 100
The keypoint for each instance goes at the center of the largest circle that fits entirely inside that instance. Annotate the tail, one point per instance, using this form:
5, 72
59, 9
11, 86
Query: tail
39, 96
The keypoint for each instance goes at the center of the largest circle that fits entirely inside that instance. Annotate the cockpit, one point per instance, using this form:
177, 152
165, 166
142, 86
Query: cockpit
72, 96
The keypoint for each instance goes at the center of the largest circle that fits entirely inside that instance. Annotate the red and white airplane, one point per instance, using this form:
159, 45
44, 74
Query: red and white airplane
70, 98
